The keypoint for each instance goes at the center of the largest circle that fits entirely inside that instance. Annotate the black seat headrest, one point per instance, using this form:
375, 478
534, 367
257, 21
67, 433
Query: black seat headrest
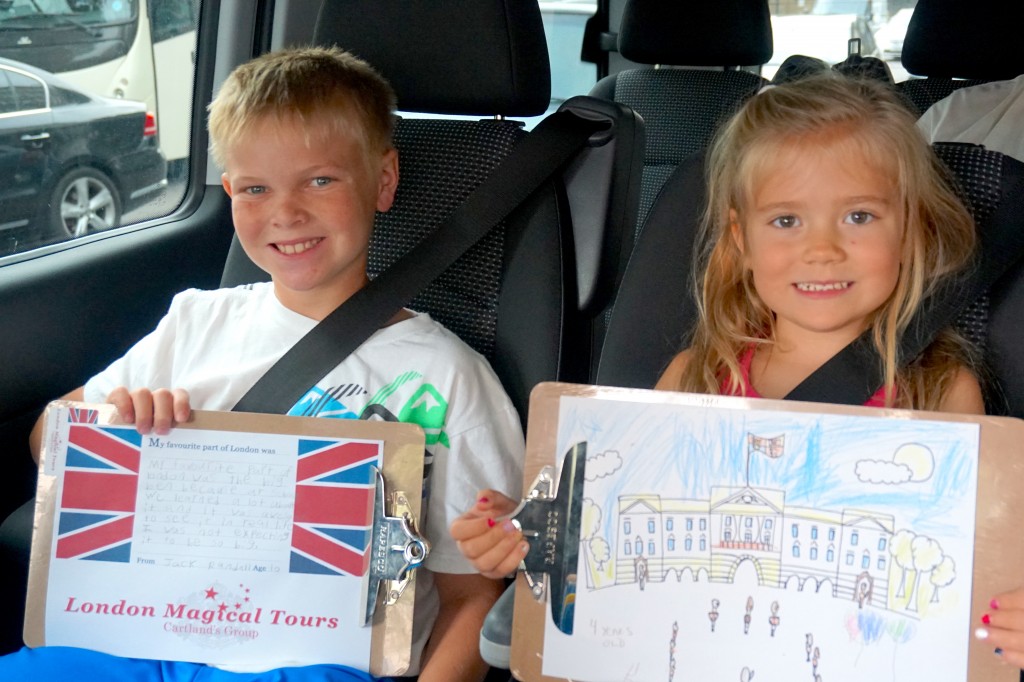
473, 57
957, 39
719, 33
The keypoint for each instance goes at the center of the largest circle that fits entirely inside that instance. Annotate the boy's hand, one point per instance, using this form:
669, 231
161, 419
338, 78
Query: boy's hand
492, 544
1003, 627
155, 411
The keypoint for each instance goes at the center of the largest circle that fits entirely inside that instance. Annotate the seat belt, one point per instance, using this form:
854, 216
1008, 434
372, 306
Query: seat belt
530, 164
854, 374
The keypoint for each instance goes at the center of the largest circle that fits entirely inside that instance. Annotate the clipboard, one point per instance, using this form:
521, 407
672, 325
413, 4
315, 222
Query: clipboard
236, 540
1000, 474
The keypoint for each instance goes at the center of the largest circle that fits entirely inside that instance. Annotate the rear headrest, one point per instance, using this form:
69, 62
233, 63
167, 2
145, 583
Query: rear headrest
718, 33
959, 39
474, 57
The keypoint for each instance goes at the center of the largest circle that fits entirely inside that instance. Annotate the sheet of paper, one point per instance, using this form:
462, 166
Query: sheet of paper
724, 544
215, 546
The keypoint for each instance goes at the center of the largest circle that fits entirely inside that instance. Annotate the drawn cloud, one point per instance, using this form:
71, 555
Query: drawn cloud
603, 464
912, 462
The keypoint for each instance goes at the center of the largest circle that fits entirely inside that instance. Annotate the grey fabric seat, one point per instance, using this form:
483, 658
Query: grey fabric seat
956, 44
682, 107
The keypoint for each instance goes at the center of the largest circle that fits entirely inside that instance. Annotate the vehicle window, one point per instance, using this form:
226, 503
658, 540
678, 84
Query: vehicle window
120, 75
62, 97
171, 18
29, 93
822, 29
7, 102
564, 21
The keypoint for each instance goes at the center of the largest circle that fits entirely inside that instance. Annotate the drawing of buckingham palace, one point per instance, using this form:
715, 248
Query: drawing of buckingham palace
845, 553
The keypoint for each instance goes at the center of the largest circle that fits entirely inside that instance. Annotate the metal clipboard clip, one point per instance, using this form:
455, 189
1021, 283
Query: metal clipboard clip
550, 521
396, 547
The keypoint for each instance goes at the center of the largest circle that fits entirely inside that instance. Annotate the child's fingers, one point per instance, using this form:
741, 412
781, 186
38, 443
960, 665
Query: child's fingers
494, 503
181, 407
1004, 632
469, 526
122, 400
142, 404
1008, 600
486, 542
498, 559
1010, 657
163, 410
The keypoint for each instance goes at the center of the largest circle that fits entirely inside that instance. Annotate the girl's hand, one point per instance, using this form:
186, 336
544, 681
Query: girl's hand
491, 543
155, 411
1003, 627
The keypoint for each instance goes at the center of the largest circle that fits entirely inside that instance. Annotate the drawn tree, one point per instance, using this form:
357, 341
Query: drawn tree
942, 576
927, 554
600, 550
902, 555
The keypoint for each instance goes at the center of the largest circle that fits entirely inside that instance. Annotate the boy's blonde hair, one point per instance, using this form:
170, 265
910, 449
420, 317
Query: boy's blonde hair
939, 234
323, 89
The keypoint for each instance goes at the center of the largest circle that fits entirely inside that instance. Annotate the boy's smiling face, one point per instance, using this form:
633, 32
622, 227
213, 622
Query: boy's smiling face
303, 206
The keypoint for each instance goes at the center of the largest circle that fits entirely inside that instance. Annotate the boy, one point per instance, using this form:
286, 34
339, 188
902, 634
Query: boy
304, 137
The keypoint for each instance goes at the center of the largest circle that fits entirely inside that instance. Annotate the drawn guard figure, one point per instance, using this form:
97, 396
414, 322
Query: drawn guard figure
640, 570
713, 613
773, 620
746, 618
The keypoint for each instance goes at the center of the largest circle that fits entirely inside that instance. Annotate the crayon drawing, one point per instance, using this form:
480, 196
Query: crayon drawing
797, 545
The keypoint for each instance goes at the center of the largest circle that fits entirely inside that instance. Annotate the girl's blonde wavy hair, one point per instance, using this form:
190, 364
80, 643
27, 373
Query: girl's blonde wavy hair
939, 233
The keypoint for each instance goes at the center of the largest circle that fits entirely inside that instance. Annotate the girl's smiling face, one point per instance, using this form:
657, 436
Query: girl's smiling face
822, 237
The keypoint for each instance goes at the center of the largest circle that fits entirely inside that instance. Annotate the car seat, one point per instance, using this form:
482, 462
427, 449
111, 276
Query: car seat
516, 296
682, 107
956, 44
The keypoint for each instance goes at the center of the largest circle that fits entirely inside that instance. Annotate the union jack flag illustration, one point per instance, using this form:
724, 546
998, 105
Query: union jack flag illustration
80, 415
97, 505
333, 506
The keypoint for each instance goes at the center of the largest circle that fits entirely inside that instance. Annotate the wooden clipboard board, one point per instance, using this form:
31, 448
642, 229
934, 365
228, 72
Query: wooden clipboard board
1000, 506
401, 456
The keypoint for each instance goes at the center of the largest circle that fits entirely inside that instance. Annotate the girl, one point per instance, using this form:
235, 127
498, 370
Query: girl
828, 216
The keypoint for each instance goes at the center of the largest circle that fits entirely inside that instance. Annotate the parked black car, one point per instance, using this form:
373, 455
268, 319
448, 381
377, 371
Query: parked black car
70, 163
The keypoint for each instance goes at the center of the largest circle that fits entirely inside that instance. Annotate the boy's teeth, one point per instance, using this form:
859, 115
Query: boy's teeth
812, 286
291, 249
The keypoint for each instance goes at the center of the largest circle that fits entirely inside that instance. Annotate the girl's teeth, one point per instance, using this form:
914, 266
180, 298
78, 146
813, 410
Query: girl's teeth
831, 286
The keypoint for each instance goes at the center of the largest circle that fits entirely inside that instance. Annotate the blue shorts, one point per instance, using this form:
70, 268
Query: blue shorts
62, 663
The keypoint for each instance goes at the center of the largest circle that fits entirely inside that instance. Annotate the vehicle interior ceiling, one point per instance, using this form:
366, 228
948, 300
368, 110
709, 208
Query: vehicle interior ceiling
539, 296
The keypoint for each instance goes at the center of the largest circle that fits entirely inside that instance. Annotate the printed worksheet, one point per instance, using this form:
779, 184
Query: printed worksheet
207, 545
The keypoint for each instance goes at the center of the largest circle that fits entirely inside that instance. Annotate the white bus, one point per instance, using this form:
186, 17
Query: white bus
132, 49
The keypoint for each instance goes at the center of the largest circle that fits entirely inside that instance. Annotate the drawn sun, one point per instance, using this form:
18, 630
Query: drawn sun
917, 458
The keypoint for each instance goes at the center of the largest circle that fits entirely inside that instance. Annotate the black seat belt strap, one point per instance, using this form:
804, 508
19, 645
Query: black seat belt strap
528, 166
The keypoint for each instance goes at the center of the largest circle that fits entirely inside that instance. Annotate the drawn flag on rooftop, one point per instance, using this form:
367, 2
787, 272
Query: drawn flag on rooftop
333, 506
97, 504
772, 447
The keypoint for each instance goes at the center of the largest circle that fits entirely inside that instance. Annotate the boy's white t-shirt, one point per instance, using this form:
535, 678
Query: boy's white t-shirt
217, 344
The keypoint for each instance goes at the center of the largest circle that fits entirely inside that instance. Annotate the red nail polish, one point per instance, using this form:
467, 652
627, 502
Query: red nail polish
483, 500
994, 605
985, 619
490, 523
